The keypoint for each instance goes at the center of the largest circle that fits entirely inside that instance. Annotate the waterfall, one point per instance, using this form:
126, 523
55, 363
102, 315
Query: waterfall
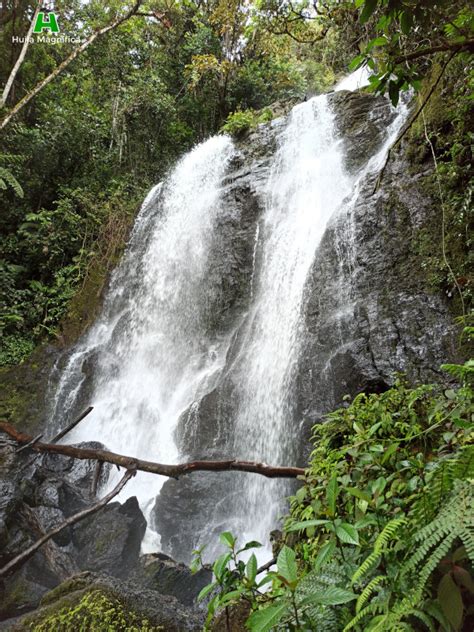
155, 353
306, 186
150, 350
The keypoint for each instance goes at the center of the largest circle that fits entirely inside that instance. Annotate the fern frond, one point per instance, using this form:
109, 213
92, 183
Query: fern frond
364, 568
455, 520
467, 538
6, 177
424, 618
368, 590
383, 539
373, 609
441, 483
388, 533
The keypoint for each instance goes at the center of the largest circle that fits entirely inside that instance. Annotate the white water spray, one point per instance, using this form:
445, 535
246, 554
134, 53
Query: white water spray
151, 354
306, 186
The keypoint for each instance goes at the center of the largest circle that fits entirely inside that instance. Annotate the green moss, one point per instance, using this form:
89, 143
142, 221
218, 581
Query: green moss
85, 304
90, 610
16, 596
23, 388
448, 125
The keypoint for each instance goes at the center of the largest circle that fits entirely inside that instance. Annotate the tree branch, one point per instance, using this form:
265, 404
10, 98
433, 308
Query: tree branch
31, 550
21, 57
172, 471
425, 52
72, 425
409, 124
64, 64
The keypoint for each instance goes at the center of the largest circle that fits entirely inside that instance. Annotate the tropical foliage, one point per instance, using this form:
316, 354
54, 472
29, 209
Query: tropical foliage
381, 534
86, 131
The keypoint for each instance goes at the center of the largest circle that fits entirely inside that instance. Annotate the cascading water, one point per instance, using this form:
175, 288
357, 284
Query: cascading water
153, 354
150, 348
307, 184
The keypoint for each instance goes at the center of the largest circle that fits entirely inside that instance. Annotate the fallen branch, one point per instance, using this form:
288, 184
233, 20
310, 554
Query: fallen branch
72, 425
266, 566
172, 471
31, 550
28, 445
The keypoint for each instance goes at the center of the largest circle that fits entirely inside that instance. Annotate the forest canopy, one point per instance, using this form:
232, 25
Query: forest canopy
86, 128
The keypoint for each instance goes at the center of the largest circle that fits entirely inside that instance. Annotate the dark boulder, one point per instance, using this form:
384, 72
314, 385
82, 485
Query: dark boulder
110, 540
160, 572
108, 599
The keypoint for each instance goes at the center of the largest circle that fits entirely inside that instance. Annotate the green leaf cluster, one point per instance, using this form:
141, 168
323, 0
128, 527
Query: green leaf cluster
382, 531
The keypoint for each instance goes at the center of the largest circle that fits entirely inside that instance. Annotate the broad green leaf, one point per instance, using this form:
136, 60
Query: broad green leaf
253, 544
331, 494
347, 533
227, 539
449, 597
389, 451
393, 92
251, 569
220, 564
357, 62
301, 494
266, 619
378, 41
369, 8
353, 491
268, 578
230, 596
286, 564
406, 21
325, 553
331, 596
304, 524
206, 590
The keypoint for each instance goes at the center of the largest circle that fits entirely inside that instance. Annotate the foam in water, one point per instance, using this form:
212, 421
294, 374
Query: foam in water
149, 348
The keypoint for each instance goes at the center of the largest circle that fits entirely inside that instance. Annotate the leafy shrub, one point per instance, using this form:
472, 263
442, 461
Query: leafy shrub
382, 531
241, 121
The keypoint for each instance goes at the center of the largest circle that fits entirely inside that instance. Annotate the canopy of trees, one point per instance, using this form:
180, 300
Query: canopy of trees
89, 122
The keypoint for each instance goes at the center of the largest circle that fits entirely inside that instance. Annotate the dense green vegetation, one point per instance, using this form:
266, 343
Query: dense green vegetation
84, 136
381, 534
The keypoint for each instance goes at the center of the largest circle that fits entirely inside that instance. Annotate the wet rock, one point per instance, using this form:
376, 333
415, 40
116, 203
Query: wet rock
110, 540
160, 572
362, 121
185, 512
133, 602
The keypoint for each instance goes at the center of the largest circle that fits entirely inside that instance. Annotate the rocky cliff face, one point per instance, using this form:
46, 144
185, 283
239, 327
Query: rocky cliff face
368, 312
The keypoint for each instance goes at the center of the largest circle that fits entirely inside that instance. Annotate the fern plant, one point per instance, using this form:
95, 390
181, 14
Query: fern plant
455, 520
7, 179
